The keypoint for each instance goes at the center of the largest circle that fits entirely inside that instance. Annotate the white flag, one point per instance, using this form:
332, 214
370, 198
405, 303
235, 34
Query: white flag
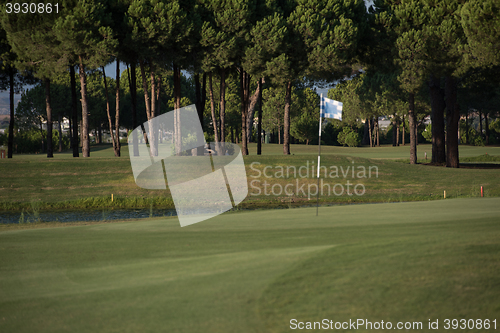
330, 108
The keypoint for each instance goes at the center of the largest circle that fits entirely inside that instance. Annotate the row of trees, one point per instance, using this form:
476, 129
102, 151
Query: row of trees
31, 116
278, 40
428, 57
403, 56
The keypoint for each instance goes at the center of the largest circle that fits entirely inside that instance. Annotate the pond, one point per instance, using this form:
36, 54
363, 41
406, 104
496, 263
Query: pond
118, 214
84, 215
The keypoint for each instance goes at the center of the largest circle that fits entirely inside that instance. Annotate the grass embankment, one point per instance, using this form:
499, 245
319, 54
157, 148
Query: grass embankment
66, 183
255, 271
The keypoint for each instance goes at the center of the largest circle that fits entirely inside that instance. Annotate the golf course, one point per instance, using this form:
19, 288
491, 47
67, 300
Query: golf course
400, 253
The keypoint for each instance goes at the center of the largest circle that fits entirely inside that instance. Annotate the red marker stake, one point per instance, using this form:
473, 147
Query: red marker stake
481, 191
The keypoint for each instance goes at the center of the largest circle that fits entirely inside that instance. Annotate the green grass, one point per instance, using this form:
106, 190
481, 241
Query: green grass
254, 271
382, 152
482, 158
68, 183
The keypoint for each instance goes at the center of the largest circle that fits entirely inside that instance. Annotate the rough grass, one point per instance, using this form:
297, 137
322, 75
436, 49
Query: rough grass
68, 183
254, 271
482, 158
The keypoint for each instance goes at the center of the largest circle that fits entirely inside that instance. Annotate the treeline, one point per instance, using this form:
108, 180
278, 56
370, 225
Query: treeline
429, 57
397, 59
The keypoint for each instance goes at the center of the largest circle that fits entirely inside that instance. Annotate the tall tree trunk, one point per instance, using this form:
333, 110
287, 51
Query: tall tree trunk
48, 108
244, 149
148, 103
43, 137
132, 81
413, 133
366, 133
222, 109
403, 139
197, 90
10, 144
70, 133
487, 129
467, 126
158, 95
145, 89
259, 122
244, 81
85, 111
370, 131
177, 87
452, 122
201, 95
212, 109
480, 125
59, 120
252, 103
377, 133
117, 110
437, 119
286, 123
177, 106
81, 135
108, 111
74, 108
394, 131
153, 130
98, 133
397, 131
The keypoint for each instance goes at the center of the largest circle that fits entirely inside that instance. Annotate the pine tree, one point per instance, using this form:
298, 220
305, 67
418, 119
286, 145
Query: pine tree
85, 35
411, 50
480, 21
445, 33
223, 36
322, 44
32, 39
159, 31
265, 47
305, 124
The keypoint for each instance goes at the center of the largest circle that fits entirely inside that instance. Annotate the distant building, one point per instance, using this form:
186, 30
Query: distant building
64, 125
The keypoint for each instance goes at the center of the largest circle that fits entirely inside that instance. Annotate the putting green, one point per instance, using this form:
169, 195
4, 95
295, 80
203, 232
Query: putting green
255, 271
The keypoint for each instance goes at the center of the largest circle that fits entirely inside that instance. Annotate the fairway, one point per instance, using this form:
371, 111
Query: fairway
255, 271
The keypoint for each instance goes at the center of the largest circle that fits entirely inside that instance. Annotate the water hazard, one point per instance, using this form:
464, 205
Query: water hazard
83, 215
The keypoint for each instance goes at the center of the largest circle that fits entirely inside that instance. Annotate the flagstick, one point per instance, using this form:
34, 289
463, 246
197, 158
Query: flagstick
319, 154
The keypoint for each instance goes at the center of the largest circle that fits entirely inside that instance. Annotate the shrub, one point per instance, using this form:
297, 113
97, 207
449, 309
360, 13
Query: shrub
427, 134
30, 142
349, 137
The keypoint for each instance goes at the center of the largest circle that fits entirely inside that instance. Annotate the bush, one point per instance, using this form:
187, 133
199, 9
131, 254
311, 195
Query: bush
349, 137
330, 132
30, 142
474, 136
427, 134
